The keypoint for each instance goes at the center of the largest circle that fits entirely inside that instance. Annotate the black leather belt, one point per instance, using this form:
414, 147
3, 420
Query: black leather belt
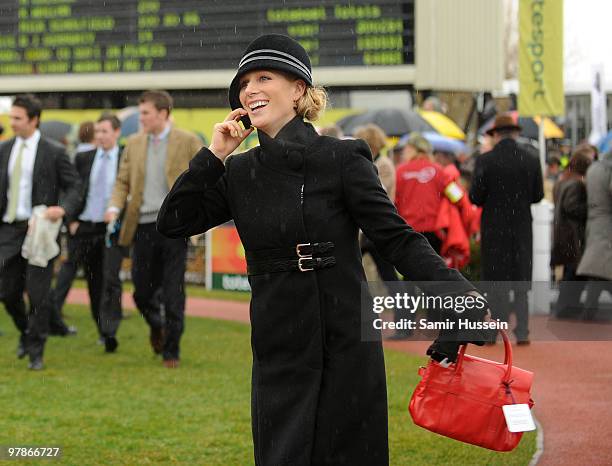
92, 224
19, 223
304, 257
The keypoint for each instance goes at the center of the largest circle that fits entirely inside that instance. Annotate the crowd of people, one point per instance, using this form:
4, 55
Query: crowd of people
582, 229
109, 208
485, 200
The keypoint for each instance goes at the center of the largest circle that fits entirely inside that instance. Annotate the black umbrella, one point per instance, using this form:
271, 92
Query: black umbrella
130, 124
393, 121
56, 130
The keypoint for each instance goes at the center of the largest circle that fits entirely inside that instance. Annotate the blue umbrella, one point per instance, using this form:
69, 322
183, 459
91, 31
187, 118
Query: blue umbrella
445, 144
605, 145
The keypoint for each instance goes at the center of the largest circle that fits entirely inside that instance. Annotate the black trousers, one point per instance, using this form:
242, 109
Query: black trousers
110, 306
498, 296
86, 249
570, 289
594, 288
159, 263
57, 325
17, 277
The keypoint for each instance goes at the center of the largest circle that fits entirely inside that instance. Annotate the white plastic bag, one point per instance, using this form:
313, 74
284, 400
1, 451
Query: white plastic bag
40, 244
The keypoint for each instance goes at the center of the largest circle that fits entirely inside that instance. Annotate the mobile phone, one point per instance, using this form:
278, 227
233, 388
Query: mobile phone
246, 121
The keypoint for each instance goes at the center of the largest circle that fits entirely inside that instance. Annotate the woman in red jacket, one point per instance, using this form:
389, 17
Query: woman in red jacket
421, 185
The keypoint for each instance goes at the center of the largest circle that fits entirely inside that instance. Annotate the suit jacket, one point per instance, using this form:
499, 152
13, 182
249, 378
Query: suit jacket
129, 187
83, 163
52, 174
506, 181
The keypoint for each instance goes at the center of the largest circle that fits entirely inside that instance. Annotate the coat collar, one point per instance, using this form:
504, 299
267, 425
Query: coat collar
286, 150
506, 142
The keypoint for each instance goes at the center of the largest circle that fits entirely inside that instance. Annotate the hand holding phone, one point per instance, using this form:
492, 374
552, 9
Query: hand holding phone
228, 135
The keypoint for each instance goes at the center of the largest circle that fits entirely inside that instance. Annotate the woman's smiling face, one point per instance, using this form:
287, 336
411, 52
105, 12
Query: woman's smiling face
269, 97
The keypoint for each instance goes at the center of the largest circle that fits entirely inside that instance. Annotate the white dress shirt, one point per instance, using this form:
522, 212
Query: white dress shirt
28, 156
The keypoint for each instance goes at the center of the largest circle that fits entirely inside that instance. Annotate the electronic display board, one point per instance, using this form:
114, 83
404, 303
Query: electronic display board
60, 37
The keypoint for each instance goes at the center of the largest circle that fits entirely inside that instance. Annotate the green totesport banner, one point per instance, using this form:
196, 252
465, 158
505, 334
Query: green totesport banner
541, 58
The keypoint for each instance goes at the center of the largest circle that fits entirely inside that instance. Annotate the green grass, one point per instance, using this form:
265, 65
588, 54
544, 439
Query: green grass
127, 409
196, 291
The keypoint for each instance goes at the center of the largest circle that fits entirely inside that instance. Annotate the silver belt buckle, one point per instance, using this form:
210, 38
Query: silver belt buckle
299, 254
302, 268
303, 257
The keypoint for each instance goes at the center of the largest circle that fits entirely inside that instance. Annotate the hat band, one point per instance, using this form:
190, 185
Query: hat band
290, 60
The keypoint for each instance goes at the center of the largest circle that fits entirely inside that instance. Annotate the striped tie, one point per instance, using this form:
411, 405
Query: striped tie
13, 199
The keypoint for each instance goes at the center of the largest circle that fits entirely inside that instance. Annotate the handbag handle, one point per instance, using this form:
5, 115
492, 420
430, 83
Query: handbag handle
507, 356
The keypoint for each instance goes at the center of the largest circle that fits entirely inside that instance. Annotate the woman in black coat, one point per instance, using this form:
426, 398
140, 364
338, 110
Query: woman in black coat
298, 201
570, 197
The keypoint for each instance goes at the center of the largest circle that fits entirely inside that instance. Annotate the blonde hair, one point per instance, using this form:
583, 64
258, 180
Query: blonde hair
417, 154
373, 135
312, 104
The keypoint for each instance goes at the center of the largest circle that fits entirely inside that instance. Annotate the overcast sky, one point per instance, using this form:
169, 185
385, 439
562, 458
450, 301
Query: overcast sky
588, 39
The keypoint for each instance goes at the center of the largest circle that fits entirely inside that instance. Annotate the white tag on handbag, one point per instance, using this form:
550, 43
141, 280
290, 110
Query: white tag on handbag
518, 418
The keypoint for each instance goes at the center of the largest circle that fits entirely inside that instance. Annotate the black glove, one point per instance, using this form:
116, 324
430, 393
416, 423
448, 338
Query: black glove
446, 347
443, 351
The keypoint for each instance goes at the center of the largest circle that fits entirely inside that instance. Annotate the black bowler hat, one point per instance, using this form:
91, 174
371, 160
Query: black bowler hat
273, 52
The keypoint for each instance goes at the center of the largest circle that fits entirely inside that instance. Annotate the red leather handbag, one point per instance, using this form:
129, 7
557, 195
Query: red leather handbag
464, 401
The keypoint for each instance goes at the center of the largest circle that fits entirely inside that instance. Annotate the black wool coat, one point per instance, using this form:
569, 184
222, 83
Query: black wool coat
318, 391
506, 181
569, 223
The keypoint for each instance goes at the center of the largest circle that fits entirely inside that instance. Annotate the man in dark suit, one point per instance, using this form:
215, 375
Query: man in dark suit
507, 180
97, 171
33, 171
